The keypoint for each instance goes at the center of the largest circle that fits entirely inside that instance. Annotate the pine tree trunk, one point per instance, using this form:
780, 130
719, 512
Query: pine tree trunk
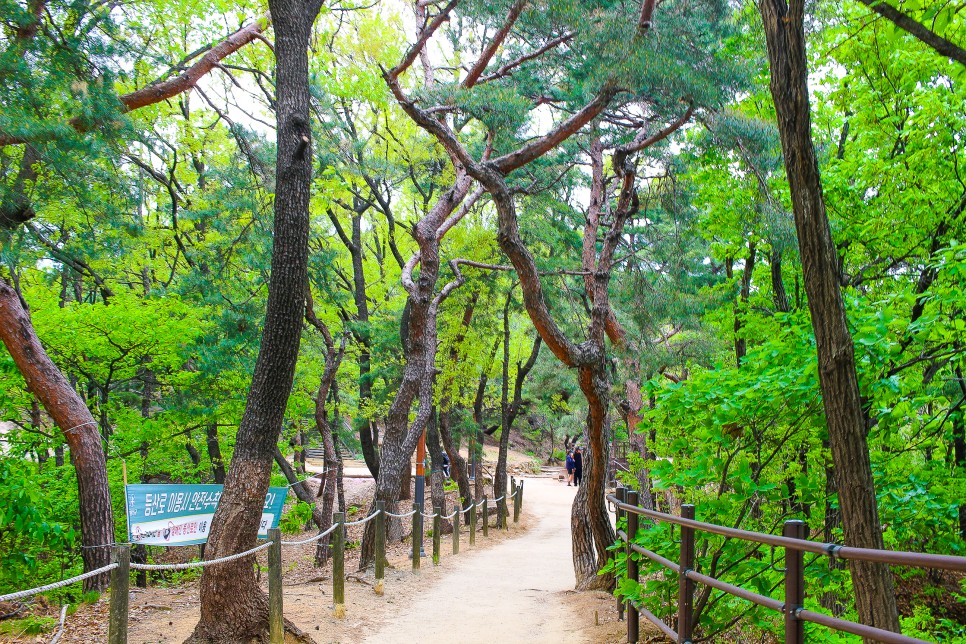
584, 554
233, 607
872, 582
593, 382
64, 405
214, 453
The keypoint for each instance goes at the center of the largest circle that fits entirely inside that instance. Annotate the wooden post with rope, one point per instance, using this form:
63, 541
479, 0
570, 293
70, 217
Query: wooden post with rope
338, 566
380, 585
276, 622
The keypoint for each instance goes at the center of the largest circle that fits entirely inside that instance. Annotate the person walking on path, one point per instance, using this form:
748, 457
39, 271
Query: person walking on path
570, 468
578, 466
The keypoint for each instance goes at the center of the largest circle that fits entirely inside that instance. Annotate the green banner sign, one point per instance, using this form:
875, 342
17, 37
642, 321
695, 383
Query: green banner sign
180, 515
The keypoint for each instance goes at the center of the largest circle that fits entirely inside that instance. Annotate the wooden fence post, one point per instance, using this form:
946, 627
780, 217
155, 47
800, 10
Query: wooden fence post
794, 584
633, 572
621, 494
276, 623
437, 533
120, 581
417, 534
380, 585
472, 524
457, 519
685, 585
520, 493
516, 502
338, 566
486, 517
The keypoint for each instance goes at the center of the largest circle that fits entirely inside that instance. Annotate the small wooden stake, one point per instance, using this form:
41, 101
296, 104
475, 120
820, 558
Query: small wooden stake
338, 566
276, 624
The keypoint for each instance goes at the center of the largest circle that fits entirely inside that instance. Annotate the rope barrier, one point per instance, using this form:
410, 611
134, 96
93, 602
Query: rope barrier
364, 521
308, 478
499, 499
311, 539
199, 564
428, 516
401, 516
480, 504
450, 516
59, 584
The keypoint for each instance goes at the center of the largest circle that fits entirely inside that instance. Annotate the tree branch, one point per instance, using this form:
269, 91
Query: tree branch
917, 29
161, 90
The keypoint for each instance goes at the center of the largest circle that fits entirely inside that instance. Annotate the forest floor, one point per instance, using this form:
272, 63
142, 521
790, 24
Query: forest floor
513, 586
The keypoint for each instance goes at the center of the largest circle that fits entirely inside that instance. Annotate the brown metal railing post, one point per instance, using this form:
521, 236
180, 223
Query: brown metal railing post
633, 621
685, 585
794, 584
621, 494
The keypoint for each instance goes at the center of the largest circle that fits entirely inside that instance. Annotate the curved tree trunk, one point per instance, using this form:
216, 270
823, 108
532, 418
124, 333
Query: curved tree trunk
593, 382
419, 339
62, 402
233, 607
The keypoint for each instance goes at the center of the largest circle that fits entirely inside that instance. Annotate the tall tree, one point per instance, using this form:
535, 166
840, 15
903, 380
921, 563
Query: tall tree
785, 37
233, 607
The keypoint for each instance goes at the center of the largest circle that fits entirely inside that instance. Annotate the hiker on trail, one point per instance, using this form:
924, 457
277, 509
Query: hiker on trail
445, 465
578, 466
570, 468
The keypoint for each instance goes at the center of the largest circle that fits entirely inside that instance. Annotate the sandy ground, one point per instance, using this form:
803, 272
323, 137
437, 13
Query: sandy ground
507, 593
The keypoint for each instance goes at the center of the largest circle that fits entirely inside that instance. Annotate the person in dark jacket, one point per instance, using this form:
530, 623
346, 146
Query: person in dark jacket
570, 468
578, 466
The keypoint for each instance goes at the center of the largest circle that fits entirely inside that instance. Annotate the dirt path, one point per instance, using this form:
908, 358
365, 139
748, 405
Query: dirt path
512, 592
512, 587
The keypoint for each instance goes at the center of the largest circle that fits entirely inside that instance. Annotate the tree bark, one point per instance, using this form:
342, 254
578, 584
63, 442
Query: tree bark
214, 453
785, 37
65, 407
233, 607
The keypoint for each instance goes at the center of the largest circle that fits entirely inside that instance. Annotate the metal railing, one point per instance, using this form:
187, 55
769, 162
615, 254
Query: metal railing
795, 545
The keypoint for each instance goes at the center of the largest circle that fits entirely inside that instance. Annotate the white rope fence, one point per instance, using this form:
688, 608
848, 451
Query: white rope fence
56, 585
311, 539
200, 564
119, 607
364, 521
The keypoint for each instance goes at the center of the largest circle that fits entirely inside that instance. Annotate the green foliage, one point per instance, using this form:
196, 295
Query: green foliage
31, 536
295, 518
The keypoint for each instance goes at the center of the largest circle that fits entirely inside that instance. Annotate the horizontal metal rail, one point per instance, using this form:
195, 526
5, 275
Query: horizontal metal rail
892, 557
654, 619
791, 608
